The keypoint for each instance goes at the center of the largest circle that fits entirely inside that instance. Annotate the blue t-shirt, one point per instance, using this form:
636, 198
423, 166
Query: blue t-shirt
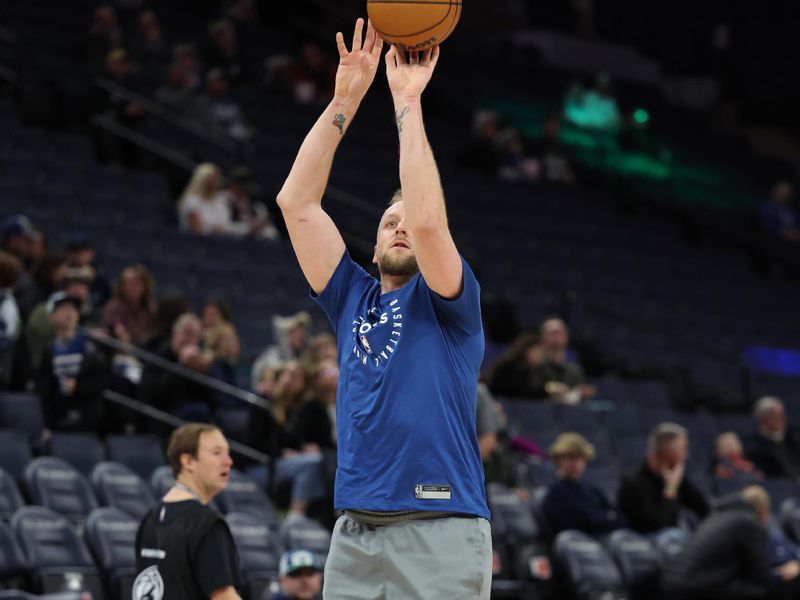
406, 402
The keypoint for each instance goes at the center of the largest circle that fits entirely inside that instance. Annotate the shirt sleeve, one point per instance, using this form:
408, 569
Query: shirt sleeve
463, 312
216, 561
340, 285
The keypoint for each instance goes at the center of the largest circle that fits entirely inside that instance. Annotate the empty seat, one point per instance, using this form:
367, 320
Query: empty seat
302, 532
242, 495
161, 480
512, 519
259, 549
22, 412
638, 560
82, 450
790, 517
10, 498
12, 559
56, 554
16, 453
589, 570
57, 485
111, 536
142, 453
119, 487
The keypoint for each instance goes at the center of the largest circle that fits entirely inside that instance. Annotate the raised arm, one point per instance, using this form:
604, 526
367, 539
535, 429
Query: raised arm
316, 240
423, 198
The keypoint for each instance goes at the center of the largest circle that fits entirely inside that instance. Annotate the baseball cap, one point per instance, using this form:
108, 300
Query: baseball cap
18, 225
59, 298
297, 559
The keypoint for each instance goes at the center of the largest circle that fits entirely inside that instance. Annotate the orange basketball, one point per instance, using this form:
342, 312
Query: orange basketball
414, 24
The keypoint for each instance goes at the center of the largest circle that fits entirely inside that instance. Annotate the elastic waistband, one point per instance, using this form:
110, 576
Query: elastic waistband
375, 518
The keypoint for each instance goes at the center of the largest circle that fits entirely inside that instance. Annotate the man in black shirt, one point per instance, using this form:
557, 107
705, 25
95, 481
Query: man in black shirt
654, 495
774, 448
184, 550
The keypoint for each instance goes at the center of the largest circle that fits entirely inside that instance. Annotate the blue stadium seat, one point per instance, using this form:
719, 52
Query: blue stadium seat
111, 536
780, 489
142, 453
302, 532
22, 412
242, 495
789, 515
638, 560
161, 479
512, 519
12, 560
16, 453
57, 485
590, 571
119, 487
56, 554
259, 550
82, 450
669, 543
10, 498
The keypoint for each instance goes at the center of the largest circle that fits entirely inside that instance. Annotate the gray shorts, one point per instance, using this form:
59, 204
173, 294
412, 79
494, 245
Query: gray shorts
442, 559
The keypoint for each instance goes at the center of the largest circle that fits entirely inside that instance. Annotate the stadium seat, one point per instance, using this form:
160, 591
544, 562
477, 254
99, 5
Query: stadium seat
10, 498
302, 532
780, 489
161, 480
142, 453
259, 550
590, 571
789, 514
119, 487
111, 537
13, 565
638, 560
82, 450
22, 412
53, 483
669, 543
56, 554
16, 453
242, 495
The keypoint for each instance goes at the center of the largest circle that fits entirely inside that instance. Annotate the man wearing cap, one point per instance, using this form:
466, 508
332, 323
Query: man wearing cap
74, 371
571, 503
300, 575
19, 235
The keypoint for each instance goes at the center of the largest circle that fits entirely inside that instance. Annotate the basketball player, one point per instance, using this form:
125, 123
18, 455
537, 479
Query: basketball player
409, 477
184, 550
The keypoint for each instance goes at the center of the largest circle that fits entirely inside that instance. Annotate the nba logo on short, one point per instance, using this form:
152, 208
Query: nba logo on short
540, 567
365, 344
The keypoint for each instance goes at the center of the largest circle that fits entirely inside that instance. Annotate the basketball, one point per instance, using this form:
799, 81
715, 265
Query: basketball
414, 24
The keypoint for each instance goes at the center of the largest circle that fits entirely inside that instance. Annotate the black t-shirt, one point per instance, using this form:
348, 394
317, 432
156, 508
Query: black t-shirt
184, 551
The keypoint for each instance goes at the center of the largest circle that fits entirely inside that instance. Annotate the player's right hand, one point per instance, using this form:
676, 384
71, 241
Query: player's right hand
357, 67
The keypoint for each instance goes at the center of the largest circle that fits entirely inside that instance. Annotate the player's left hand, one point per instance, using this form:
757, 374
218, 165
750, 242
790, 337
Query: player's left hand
408, 76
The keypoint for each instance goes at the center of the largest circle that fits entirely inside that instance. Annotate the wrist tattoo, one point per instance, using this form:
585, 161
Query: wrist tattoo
338, 121
400, 117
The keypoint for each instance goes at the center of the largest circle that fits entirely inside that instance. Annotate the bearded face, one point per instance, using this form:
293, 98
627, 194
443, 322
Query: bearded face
396, 262
393, 249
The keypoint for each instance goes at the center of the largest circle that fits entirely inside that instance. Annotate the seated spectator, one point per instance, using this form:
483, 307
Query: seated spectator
313, 75
169, 309
218, 112
185, 56
729, 459
178, 394
514, 375
563, 379
48, 275
10, 321
202, 208
121, 70
39, 332
653, 496
774, 448
571, 503
248, 216
148, 46
553, 158
18, 237
73, 373
314, 423
178, 92
516, 164
130, 314
482, 151
291, 333
225, 355
104, 35
81, 254
321, 347
223, 52
216, 319
299, 576
729, 555
778, 218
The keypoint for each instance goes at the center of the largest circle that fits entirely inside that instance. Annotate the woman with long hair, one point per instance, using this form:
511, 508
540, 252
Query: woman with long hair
130, 314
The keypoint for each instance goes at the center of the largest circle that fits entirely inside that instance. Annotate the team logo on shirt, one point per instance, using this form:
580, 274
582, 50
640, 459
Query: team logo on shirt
376, 335
148, 585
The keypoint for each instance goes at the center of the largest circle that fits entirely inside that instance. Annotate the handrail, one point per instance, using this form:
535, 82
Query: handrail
157, 148
174, 421
157, 110
178, 369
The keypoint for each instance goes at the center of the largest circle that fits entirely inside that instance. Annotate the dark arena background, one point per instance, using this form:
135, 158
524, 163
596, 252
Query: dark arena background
621, 175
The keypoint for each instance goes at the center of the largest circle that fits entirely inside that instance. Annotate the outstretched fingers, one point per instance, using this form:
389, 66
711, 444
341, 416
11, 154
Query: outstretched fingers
357, 41
391, 58
432, 57
340, 45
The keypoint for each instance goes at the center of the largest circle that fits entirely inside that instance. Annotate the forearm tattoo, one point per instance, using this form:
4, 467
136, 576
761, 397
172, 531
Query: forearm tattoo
338, 121
400, 117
